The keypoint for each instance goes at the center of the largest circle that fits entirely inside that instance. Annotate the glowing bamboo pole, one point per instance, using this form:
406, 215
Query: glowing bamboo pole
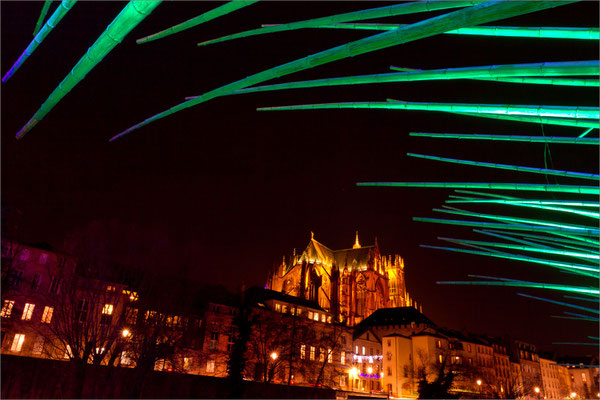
580, 298
200, 19
579, 315
131, 15
512, 138
548, 81
497, 225
585, 133
532, 202
506, 31
585, 113
578, 269
578, 229
568, 68
533, 187
576, 318
388, 11
42, 16
482, 13
538, 120
546, 243
548, 286
526, 204
585, 255
591, 310
543, 171
54, 19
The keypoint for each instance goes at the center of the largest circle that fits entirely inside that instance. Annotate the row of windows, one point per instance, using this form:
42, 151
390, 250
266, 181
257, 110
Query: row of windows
322, 354
315, 316
7, 310
364, 350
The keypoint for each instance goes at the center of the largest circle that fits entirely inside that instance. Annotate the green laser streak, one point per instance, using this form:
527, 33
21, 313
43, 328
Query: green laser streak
488, 71
506, 31
585, 113
482, 13
512, 138
537, 120
527, 204
532, 187
131, 15
560, 303
54, 19
522, 284
388, 11
566, 174
40, 20
200, 19
578, 269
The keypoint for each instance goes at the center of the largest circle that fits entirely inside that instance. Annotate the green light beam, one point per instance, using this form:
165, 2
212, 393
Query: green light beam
580, 298
521, 284
576, 318
562, 112
54, 19
512, 138
532, 187
578, 315
577, 269
482, 13
524, 248
585, 133
388, 11
42, 16
587, 204
537, 120
131, 15
506, 31
496, 225
580, 82
200, 19
536, 242
591, 310
579, 229
543, 171
526, 204
488, 71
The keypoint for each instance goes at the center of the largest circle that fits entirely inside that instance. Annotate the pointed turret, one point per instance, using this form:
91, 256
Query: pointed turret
356, 243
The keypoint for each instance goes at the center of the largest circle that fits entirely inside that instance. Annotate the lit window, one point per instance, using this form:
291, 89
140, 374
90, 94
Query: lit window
27, 311
323, 317
110, 288
278, 307
107, 309
38, 345
7, 308
99, 350
329, 356
302, 351
310, 315
126, 358
210, 366
17, 342
298, 311
47, 315
214, 337
312, 352
284, 309
321, 354
440, 358
159, 365
363, 350
329, 319
68, 352
187, 363
356, 350
439, 344
316, 316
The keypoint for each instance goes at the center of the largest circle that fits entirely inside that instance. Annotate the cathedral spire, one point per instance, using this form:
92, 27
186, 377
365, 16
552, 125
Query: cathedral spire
356, 243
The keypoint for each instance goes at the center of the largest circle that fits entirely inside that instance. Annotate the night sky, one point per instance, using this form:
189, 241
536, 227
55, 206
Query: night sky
233, 190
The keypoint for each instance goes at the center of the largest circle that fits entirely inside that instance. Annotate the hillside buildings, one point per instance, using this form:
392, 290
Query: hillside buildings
337, 319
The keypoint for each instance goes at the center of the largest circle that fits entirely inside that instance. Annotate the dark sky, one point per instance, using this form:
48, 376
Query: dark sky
234, 189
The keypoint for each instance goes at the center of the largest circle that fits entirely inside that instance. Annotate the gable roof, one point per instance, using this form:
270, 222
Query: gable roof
395, 316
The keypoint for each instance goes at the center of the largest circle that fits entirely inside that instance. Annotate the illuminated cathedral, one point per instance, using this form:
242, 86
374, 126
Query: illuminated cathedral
349, 283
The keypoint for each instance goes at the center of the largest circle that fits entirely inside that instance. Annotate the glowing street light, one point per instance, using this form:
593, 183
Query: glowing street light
573, 395
479, 382
370, 370
537, 389
125, 332
274, 356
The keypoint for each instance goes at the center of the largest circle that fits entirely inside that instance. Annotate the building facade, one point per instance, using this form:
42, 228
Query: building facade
349, 283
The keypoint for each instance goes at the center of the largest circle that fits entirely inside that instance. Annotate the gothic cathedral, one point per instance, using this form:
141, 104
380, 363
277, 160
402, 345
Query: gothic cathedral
350, 283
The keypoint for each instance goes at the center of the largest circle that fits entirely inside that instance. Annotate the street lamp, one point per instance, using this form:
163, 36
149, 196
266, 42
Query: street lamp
573, 395
125, 332
274, 356
353, 373
537, 391
479, 384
